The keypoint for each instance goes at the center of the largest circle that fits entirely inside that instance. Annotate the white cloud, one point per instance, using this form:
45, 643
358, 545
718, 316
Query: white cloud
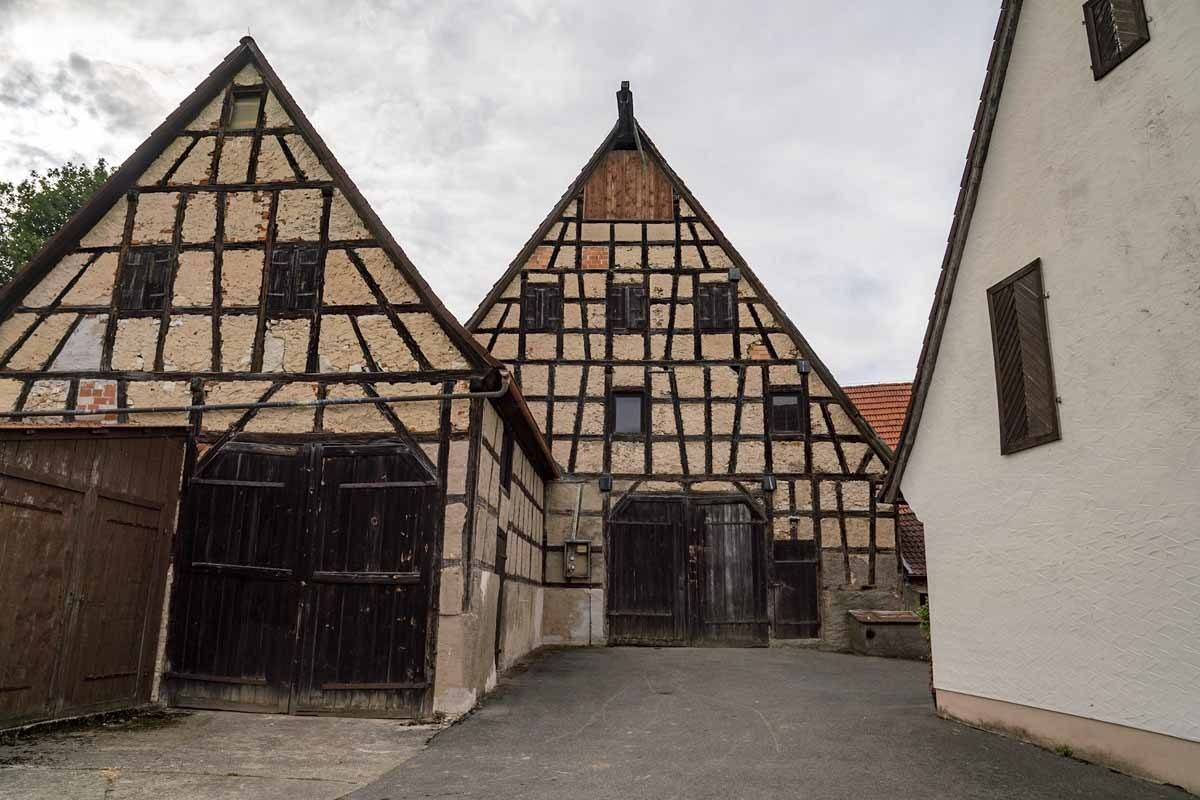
826, 142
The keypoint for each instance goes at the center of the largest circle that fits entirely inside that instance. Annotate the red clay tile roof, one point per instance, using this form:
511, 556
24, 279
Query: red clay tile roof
883, 405
911, 540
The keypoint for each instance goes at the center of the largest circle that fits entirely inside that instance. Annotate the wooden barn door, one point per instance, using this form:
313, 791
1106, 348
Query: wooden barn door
85, 523
683, 571
367, 593
233, 613
733, 598
647, 572
305, 581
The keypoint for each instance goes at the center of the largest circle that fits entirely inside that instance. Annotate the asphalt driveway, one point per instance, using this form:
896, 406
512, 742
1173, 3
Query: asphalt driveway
766, 723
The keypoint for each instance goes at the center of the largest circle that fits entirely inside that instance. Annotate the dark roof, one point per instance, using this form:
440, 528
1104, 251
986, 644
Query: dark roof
910, 540
126, 176
985, 120
883, 405
627, 124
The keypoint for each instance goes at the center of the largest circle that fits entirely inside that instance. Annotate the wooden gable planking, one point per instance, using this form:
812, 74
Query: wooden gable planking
625, 186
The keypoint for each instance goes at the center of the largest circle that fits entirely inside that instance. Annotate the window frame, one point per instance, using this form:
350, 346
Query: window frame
1009, 445
545, 323
801, 408
126, 272
714, 325
644, 417
1091, 9
259, 93
291, 295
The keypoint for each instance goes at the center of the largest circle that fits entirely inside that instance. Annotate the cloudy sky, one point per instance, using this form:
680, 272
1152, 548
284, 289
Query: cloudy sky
826, 139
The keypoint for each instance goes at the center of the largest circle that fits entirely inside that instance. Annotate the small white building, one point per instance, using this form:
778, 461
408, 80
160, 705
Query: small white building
1052, 447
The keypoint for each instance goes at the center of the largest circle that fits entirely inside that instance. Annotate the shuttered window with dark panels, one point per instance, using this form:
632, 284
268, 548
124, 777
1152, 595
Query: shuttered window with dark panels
144, 278
293, 276
715, 307
627, 308
541, 307
1024, 375
1116, 28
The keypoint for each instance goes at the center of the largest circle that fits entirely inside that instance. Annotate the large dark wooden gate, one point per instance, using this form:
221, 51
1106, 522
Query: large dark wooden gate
304, 581
86, 516
686, 571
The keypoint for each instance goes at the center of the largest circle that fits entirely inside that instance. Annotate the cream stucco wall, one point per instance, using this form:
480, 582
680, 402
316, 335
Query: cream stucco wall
1067, 577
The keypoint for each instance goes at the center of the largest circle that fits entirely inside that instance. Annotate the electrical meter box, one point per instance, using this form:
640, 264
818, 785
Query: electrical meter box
577, 559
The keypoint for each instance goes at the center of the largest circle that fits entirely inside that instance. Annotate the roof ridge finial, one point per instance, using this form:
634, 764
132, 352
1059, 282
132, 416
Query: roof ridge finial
625, 105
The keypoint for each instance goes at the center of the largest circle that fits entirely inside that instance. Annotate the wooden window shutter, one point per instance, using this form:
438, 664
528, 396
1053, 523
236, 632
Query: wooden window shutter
636, 308
1115, 28
1026, 398
305, 266
617, 308
279, 279
554, 307
531, 308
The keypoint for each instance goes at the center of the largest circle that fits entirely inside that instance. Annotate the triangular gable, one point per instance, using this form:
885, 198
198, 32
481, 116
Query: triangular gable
627, 134
223, 206
191, 151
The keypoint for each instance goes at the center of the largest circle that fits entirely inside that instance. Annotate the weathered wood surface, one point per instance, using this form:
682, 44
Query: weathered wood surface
85, 526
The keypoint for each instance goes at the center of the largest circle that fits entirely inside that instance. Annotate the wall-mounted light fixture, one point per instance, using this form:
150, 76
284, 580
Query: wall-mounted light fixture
735, 274
605, 483
803, 365
768, 483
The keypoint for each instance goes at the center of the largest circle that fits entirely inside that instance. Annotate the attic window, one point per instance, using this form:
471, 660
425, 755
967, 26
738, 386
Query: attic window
627, 307
243, 111
292, 283
541, 307
714, 307
144, 277
1116, 28
1021, 347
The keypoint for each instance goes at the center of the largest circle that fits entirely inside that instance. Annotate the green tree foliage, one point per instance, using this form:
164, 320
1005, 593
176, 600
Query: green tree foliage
33, 210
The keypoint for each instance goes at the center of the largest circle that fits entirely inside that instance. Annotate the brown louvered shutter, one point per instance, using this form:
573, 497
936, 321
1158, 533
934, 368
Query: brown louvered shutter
714, 307
1025, 392
531, 307
1116, 28
305, 266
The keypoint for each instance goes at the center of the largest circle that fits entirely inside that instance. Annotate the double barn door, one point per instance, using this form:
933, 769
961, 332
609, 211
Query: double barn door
686, 571
304, 581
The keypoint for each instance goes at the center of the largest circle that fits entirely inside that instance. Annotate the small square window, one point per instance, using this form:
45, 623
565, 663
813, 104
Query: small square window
787, 411
144, 277
292, 283
243, 113
628, 413
715, 307
541, 307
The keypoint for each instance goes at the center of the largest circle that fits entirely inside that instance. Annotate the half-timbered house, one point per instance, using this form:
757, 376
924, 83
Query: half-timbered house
720, 485
363, 485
